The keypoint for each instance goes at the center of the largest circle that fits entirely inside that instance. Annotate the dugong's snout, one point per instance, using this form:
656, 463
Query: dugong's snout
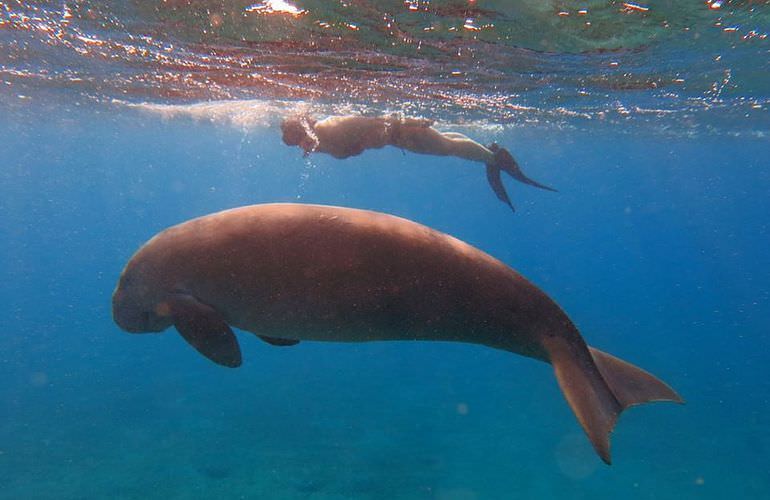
134, 317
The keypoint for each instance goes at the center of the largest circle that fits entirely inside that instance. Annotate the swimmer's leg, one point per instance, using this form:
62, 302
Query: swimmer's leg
429, 141
455, 135
504, 161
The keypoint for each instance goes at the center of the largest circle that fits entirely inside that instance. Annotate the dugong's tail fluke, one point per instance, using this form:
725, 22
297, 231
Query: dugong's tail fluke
630, 384
598, 387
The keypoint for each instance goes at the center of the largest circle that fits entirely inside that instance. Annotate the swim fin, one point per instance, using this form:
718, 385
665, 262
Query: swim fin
507, 163
496, 183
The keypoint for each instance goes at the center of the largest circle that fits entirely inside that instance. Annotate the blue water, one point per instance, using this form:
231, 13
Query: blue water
656, 246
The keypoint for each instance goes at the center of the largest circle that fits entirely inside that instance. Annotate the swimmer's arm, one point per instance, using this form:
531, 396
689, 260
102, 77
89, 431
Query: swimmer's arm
417, 122
345, 136
347, 122
350, 123
397, 120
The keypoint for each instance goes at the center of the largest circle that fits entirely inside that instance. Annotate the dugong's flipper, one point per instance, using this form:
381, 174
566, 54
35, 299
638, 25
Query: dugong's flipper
598, 387
205, 329
278, 341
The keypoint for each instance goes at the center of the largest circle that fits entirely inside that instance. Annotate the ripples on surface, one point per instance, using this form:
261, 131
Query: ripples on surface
695, 64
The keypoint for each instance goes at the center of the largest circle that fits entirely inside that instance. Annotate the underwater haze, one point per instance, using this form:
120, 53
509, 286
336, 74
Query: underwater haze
120, 119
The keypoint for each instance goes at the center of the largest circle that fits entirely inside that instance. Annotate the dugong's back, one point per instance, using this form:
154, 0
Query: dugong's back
341, 274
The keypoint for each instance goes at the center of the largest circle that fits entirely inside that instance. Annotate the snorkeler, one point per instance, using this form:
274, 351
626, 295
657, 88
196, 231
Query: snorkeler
346, 136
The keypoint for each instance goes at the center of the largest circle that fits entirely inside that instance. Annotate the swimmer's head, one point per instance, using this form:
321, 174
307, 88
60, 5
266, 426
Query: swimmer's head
298, 131
294, 131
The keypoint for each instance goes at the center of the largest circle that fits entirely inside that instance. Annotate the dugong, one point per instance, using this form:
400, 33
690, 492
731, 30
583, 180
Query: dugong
292, 272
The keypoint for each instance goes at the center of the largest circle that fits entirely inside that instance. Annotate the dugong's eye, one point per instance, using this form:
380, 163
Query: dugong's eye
126, 279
